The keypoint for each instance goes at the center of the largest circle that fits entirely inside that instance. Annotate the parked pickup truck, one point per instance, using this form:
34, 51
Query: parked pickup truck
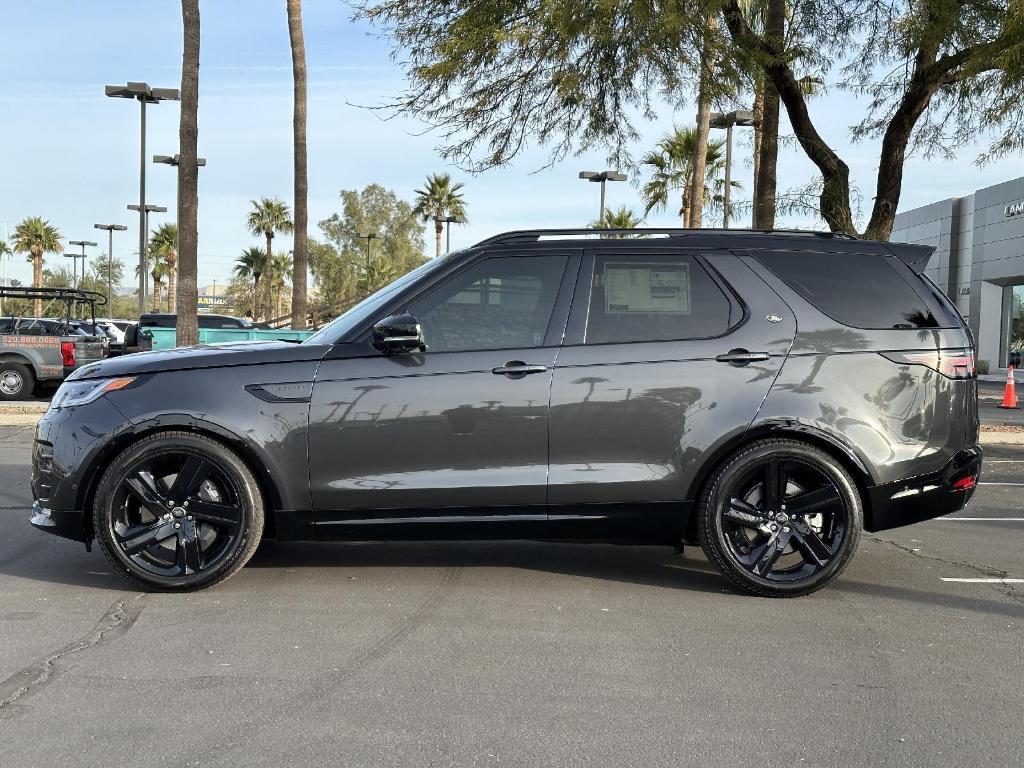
36, 351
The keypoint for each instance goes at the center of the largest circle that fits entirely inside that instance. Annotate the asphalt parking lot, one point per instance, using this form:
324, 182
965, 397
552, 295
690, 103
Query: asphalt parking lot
520, 654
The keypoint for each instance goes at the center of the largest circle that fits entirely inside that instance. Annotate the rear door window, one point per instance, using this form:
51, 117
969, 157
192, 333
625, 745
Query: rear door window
868, 291
654, 297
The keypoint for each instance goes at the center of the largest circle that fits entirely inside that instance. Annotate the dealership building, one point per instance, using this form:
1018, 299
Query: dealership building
978, 261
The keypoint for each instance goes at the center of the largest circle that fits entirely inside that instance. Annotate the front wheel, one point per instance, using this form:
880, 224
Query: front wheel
178, 512
780, 518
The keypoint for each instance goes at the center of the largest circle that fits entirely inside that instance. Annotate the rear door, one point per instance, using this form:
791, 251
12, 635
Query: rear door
668, 354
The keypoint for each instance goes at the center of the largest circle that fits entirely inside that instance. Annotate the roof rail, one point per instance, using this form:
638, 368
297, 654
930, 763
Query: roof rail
532, 235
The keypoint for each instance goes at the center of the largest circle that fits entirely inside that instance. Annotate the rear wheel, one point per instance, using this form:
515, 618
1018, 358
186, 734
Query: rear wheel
16, 381
178, 512
780, 518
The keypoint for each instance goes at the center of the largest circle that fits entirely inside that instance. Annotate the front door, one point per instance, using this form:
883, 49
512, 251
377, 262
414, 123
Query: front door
662, 363
457, 434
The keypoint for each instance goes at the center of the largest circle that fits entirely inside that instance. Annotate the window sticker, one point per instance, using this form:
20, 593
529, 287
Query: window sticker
647, 288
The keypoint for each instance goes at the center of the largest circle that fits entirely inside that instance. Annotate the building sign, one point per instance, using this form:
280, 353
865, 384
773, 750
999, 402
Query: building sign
1015, 209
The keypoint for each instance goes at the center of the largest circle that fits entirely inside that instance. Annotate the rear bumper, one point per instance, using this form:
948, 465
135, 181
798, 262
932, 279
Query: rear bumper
925, 497
70, 525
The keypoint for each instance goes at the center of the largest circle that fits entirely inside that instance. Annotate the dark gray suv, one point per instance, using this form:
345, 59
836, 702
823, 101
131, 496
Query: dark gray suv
766, 394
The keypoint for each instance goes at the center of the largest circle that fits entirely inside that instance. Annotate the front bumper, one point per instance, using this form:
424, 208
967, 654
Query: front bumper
925, 497
70, 525
68, 443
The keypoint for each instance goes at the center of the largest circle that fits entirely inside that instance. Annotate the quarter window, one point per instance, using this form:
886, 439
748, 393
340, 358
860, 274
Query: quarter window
862, 290
641, 297
502, 302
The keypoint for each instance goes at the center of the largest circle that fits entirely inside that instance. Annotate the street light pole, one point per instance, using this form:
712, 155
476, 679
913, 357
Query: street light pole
739, 117
76, 257
111, 228
144, 212
368, 236
602, 177
174, 161
448, 221
145, 95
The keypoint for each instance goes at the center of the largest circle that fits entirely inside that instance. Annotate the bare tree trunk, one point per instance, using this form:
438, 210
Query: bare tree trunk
37, 280
255, 296
188, 178
700, 149
300, 248
438, 231
268, 270
766, 182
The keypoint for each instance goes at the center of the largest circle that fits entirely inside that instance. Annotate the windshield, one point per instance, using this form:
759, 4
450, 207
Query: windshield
342, 325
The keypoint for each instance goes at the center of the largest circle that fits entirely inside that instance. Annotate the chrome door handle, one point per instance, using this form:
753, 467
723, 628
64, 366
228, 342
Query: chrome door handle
740, 357
516, 369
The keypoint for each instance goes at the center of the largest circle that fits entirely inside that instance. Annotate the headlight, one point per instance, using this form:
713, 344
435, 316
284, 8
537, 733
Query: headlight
82, 392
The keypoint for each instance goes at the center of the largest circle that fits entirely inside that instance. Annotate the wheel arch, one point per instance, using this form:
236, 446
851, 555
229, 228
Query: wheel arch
248, 454
17, 357
815, 436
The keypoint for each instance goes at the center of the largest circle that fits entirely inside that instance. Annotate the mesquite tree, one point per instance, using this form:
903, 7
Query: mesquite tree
495, 75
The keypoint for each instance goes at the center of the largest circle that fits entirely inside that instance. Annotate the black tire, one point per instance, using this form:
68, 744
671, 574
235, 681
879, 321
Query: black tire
780, 518
211, 509
16, 380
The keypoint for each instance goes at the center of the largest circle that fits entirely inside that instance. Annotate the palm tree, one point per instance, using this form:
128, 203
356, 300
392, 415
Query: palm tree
279, 277
163, 245
438, 200
250, 265
623, 218
157, 268
671, 164
35, 236
300, 245
268, 217
188, 178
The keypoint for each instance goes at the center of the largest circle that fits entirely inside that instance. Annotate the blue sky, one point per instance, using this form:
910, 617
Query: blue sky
71, 155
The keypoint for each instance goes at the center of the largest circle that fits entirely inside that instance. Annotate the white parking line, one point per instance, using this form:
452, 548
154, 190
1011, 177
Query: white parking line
986, 581
1012, 484
986, 519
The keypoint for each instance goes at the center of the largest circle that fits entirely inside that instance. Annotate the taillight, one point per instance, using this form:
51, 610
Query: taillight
965, 483
67, 352
954, 363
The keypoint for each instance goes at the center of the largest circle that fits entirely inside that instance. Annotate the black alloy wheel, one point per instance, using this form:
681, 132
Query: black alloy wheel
781, 518
178, 512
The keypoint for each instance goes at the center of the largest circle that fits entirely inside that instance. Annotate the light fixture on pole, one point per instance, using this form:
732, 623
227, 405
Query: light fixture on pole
727, 120
602, 177
448, 221
145, 94
76, 257
111, 229
144, 212
368, 236
174, 161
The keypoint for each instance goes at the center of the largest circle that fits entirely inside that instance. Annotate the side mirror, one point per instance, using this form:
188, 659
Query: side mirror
398, 333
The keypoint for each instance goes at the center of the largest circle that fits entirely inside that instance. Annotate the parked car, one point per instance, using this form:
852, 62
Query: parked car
170, 320
40, 351
768, 395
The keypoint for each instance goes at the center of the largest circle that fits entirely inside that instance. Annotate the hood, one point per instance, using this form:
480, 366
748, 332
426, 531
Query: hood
202, 356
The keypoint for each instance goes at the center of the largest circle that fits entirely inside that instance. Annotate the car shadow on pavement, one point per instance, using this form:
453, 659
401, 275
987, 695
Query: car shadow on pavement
995, 603
647, 565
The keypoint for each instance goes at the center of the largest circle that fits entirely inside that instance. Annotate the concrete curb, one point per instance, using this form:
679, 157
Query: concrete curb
1002, 438
19, 419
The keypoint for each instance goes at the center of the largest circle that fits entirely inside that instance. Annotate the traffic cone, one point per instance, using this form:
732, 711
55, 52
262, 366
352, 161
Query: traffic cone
1010, 393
